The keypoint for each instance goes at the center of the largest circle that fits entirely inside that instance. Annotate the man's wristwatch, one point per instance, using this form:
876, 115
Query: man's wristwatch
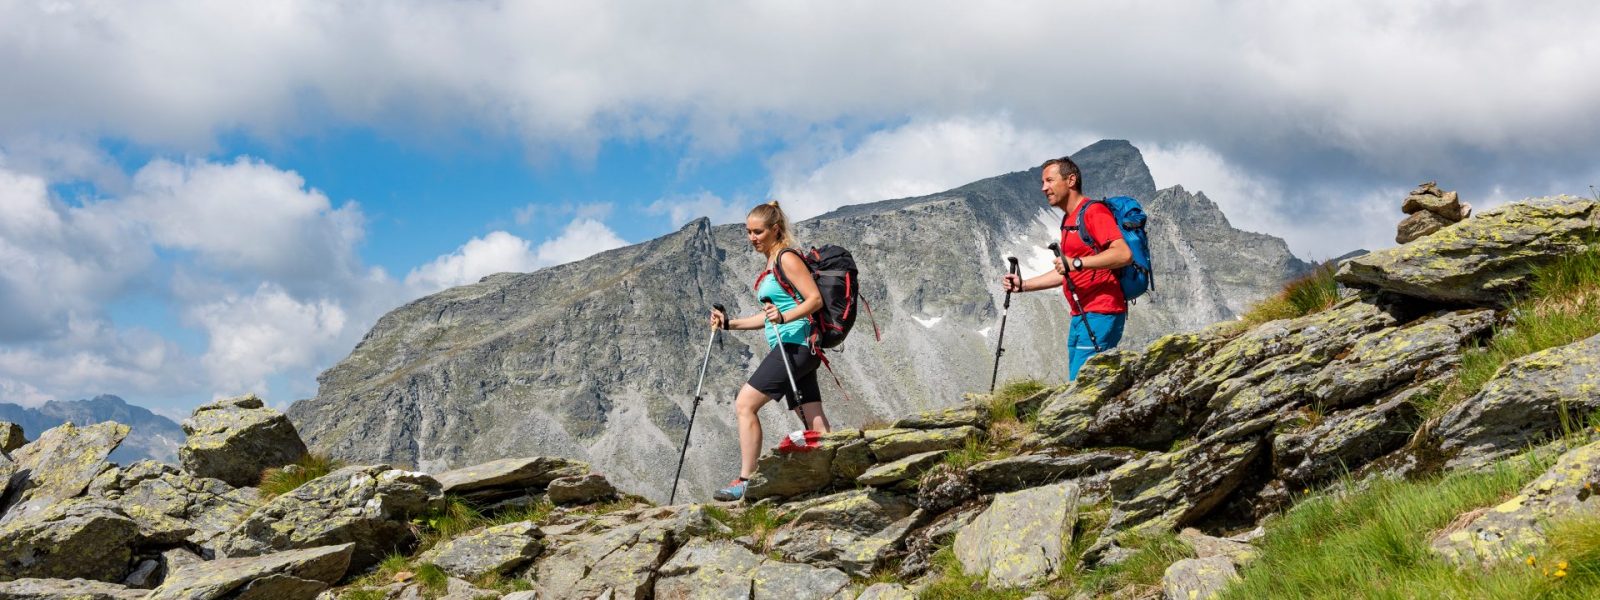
1077, 264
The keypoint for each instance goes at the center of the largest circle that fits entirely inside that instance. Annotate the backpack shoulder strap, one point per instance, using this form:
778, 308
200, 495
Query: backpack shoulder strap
1083, 227
777, 271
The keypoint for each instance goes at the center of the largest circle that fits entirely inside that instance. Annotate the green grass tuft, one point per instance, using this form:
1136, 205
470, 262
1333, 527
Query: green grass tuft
1142, 572
952, 583
757, 521
280, 480
1312, 292
1376, 540
433, 578
1003, 404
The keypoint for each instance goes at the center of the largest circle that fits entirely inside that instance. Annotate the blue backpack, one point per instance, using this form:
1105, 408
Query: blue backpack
1136, 278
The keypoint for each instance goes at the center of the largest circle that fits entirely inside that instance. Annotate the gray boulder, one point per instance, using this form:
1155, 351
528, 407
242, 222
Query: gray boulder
173, 506
1022, 538
367, 506
508, 477
851, 531
1484, 260
621, 557
1428, 197
500, 549
1198, 578
11, 436
900, 470
1345, 441
235, 439
1516, 527
78, 538
1419, 225
894, 444
1523, 403
59, 465
719, 570
67, 589
292, 575
943, 418
787, 475
580, 489
1029, 470
886, 591
1381, 361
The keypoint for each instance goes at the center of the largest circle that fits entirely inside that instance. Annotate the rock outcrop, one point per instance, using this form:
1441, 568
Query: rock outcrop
1531, 398
235, 439
293, 575
1515, 527
57, 466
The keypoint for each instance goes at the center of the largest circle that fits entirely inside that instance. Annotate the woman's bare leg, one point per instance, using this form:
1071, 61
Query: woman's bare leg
746, 407
811, 414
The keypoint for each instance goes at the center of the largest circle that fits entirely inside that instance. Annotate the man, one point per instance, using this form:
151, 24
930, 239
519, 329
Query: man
1093, 294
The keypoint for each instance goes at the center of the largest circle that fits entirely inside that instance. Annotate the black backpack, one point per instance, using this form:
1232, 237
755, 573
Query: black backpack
839, 284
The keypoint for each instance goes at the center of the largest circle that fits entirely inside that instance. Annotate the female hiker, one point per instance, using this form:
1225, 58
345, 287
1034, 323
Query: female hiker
785, 319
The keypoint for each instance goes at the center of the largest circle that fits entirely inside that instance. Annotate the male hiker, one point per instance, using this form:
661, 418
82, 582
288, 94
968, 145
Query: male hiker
1093, 294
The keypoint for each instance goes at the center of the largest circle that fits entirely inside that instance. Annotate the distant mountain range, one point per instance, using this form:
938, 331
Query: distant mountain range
596, 359
153, 436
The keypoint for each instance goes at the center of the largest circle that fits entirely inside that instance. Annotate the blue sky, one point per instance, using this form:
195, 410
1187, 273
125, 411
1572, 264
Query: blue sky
204, 199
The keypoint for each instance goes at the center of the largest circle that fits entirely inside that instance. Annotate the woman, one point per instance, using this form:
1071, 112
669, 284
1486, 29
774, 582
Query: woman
784, 317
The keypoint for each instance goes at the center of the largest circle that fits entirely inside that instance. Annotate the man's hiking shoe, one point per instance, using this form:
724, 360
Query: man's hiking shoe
734, 491
800, 441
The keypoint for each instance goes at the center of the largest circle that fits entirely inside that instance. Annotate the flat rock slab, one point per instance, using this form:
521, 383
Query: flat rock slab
1030, 470
369, 506
580, 489
67, 589
78, 538
886, 591
500, 549
909, 467
292, 575
513, 475
1516, 526
235, 439
1345, 441
1021, 539
1522, 404
172, 506
1390, 358
718, 570
780, 475
1484, 260
851, 531
942, 418
894, 444
622, 560
1206, 546
1198, 578
59, 465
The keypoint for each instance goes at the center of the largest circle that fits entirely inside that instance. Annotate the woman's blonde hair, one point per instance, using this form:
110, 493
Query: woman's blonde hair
773, 217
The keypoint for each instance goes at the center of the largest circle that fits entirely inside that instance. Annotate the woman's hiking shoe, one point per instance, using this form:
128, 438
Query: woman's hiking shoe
734, 491
800, 441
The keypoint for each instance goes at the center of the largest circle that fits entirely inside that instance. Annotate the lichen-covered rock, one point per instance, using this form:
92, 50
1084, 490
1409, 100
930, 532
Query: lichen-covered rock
1022, 538
886, 591
500, 549
1346, 441
173, 506
77, 538
717, 570
1321, 334
1206, 546
1029, 470
894, 444
235, 439
292, 575
59, 465
1516, 526
1484, 260
508, 477
1198, 578
1172, 489
1388, 358
792, 474
622, 560
67, 589
580, 489
1418, 225
851, 531
899, 470
1523, 403
11, 436
368, 506
942, 418
851, 459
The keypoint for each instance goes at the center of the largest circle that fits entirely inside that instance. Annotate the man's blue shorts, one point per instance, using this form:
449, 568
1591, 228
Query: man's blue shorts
1107, 330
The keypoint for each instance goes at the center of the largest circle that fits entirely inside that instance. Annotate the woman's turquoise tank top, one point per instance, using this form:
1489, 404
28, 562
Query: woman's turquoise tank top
793, 332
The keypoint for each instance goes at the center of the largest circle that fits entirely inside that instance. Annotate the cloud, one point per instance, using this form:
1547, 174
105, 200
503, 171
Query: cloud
500, 252
264, 333
922, 157
91, 356
684, 208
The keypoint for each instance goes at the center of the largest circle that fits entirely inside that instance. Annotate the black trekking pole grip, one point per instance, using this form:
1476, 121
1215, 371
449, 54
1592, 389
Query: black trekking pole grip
1014, 270
719, 308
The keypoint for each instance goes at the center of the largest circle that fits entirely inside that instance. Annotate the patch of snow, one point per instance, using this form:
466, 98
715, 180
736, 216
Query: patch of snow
984, 332
929, 322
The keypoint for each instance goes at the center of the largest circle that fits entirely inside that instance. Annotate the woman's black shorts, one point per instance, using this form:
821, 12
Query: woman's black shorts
771, 379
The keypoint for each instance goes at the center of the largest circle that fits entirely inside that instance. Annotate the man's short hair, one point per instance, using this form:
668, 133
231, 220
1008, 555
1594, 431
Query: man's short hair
1066, 167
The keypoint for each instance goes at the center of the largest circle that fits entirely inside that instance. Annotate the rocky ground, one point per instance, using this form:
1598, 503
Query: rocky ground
1037, 490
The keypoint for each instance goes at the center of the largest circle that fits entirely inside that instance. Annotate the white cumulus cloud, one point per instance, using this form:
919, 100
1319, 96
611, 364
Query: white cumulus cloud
266, 332
500, 252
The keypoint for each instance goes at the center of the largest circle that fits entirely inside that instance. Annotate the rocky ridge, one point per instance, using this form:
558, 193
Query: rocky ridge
592, 360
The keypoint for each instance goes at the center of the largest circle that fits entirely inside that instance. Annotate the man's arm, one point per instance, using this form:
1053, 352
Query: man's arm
1044, 281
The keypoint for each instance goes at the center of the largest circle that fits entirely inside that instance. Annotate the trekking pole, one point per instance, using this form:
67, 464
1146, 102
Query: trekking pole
787, 369
1072, 291
695, 407
1000, 342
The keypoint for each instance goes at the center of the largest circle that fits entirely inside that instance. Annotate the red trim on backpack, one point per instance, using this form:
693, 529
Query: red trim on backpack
875, 332
835, 376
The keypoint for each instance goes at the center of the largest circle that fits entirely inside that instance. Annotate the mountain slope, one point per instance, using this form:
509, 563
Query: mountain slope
596, 359
153, 436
